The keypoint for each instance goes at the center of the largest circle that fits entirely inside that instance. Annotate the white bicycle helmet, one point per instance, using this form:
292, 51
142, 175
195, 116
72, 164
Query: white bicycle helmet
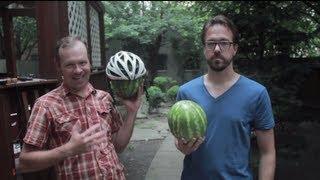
125, 66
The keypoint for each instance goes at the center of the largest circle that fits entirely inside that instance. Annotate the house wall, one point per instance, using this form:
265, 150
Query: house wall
24, 68
175, 65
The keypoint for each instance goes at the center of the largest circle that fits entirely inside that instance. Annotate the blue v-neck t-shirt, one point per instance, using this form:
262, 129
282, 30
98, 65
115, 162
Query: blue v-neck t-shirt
231, 118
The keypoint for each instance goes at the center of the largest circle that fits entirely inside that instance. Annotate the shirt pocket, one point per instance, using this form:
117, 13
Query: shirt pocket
65, 123
104, 116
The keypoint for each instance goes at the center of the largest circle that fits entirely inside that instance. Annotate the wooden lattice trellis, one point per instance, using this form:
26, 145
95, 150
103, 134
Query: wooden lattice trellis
77, 19
95, 38
77, 15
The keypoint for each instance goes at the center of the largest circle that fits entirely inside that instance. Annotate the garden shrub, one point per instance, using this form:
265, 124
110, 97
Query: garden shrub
164, 82
155, 97
172, 92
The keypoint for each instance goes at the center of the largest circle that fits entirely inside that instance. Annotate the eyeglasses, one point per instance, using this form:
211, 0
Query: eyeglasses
223, 45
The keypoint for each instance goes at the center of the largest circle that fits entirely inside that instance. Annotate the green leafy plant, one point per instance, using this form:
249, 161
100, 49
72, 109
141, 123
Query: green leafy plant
155, 97
164, 82
172, 92
172, 82
284, 83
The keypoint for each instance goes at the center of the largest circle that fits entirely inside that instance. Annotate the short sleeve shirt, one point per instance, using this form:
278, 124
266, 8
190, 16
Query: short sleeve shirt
231, 118
53, 117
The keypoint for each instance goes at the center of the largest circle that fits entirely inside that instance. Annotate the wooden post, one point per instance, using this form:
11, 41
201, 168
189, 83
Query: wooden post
63, 19
9, 44
51, 27
6, 149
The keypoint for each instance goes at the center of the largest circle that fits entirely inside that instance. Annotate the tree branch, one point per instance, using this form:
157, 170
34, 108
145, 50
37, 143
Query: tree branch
316, 7
30, 50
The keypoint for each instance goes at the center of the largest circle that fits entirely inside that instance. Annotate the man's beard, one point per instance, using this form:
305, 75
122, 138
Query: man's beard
218, 67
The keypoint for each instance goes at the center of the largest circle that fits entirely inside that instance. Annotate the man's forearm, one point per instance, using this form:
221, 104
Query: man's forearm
267, 166
122, 137
39, 160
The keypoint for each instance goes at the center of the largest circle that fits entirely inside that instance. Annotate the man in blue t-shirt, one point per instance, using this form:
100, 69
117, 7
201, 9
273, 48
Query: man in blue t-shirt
235, 105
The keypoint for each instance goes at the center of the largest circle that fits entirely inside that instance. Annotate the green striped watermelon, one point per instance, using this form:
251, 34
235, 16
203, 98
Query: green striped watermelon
126, 88
187, 120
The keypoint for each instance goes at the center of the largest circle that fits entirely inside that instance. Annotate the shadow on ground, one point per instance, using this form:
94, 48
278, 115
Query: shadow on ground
137, 158
149, 133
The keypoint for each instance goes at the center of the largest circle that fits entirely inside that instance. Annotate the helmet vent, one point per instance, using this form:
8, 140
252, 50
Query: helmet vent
137, 67
122, 69
129, 65
114, 74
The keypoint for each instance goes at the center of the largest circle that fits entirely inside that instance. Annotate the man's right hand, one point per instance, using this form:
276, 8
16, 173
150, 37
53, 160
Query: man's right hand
83, 142
188, 147
33, 158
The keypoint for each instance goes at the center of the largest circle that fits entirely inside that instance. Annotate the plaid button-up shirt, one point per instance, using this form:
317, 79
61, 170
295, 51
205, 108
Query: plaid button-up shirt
52, 119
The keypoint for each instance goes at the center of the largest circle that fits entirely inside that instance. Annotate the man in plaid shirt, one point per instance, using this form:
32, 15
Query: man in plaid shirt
76, 128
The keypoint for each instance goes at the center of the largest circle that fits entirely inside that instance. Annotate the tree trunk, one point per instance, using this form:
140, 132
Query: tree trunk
30, 50
153, 58
18, 45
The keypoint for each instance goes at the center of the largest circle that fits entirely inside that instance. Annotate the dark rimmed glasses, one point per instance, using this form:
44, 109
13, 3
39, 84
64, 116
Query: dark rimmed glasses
223, 45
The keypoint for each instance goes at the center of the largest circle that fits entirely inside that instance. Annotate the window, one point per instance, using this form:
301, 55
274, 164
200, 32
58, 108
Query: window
162, 62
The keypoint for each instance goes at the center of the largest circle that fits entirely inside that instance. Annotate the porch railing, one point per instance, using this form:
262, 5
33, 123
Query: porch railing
16, 102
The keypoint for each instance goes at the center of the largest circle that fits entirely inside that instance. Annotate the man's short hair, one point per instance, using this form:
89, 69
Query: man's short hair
222, 20
65, 42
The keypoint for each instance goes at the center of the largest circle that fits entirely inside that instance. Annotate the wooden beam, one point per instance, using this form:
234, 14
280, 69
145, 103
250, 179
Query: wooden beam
22, 12
5, 3
63, 19
9, 44
97, 6
48, 32
6, 155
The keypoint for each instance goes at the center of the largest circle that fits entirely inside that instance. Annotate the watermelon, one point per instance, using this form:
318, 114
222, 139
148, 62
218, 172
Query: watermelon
187, 120
126, 88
